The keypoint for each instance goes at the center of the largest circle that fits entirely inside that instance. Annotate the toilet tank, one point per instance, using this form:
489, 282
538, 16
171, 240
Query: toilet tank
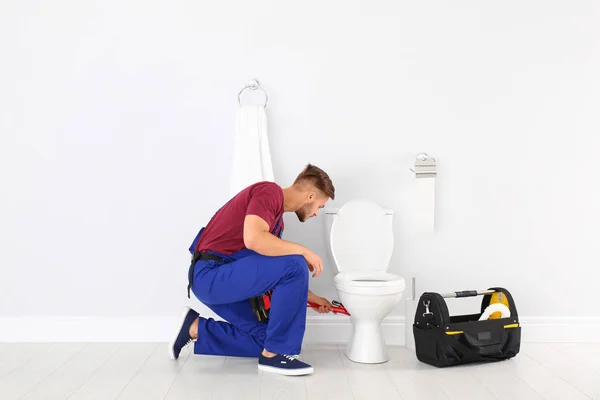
330, 214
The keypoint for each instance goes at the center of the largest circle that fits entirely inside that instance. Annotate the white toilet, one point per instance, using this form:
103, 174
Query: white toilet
361, 241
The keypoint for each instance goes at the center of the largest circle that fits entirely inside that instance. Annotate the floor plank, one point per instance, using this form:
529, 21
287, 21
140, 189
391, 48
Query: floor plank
458, 383
154, 379
329, 380
543, 381
571, 371
279, 387
368, 381
21, 380
586, 354
413, 380
17, 354
502, 382
240, 379
196, 380
110, 379
67, 378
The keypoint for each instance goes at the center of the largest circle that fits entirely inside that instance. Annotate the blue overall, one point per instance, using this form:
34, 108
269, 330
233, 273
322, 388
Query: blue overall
225, 286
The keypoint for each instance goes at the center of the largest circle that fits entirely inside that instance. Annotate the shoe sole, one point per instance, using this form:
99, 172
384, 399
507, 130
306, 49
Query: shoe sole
283, 371
172, 342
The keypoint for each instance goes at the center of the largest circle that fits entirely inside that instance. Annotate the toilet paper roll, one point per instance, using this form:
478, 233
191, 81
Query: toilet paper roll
494, 308
425, 204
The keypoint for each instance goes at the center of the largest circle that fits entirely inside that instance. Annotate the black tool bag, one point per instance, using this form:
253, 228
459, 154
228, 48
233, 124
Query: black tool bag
442, 340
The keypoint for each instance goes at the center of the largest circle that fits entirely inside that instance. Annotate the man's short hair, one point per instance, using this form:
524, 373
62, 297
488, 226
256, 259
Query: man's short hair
318, 178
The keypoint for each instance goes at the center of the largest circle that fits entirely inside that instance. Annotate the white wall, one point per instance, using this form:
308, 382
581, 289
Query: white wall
116, 122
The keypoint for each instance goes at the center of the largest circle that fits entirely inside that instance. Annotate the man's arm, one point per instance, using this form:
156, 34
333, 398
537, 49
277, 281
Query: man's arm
258, 238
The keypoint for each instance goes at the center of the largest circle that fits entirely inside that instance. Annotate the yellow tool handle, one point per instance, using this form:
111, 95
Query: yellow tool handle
459, 332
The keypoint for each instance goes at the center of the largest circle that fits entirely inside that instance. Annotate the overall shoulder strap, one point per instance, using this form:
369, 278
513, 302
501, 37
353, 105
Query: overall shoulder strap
278, 230
194, 244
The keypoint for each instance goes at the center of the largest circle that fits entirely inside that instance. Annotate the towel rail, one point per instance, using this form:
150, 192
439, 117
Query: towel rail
253, 85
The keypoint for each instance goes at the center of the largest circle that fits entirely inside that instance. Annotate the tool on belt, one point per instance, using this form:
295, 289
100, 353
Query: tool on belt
261, 305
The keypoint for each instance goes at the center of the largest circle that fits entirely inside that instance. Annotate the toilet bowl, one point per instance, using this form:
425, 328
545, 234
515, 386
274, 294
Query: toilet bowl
361, 242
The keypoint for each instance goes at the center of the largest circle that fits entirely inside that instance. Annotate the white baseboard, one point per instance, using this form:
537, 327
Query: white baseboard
560, 329
319, 329
336, 329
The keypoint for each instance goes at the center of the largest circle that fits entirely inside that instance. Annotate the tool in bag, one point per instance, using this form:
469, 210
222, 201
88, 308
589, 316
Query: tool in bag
338, 308
442, 340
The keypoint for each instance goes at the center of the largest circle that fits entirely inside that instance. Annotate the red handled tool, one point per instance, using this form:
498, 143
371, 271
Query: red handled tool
338, 308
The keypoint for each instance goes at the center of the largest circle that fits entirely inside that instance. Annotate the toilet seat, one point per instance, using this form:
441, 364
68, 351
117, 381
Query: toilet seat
362, 237
370, 283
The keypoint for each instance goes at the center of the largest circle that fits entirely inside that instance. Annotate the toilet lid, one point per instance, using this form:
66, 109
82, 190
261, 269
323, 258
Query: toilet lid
362, 238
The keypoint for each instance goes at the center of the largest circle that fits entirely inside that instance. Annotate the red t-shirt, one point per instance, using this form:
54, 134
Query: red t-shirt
224, 233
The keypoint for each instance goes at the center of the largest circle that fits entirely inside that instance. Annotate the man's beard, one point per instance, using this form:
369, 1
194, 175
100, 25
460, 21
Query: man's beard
302, 214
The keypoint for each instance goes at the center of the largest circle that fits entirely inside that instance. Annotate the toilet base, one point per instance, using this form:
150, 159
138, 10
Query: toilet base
366, 344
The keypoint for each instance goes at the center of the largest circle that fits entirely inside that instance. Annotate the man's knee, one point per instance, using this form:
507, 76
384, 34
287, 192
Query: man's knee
295, 265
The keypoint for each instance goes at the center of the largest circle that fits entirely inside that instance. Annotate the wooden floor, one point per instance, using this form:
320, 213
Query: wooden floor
143, 371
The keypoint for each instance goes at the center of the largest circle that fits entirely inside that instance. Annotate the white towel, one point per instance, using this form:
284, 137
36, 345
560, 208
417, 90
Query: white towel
251, 154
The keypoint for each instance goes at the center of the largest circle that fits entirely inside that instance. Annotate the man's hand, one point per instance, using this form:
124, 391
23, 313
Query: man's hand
315, 264
324, 305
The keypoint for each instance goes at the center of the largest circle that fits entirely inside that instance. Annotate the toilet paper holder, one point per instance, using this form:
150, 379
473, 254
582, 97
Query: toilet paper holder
425, 166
